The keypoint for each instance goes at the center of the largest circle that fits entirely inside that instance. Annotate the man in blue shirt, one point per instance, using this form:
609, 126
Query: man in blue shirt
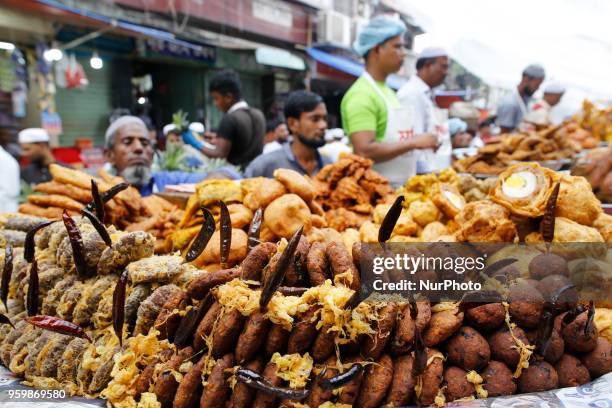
306, 117
129, 149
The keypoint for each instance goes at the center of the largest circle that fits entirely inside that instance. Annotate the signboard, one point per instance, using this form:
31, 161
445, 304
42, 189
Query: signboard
198, 52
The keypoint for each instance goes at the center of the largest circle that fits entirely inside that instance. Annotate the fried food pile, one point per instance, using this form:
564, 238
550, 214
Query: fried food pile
348, 190
70, 190
548, 144
283, 327
590, 126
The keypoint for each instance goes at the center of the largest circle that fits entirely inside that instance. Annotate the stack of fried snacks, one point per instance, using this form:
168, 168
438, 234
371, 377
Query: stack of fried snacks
349, 189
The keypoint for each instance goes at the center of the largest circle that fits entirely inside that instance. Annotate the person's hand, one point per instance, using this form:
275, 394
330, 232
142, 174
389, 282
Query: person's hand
190, 139
425, 141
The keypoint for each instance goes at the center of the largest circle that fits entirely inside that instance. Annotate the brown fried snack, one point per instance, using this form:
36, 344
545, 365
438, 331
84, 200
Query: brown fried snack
297, 274
286, 214
503, 348
486, 317
441, 326
319, 395
76, 193
296, 183
199, 287
277, 340
324, 344
317, 264
577, 338
129, 247
341, 264
402, 386
50, 359
166, 384
67, 370
45, 212
206, 325
252, 337
150, 308
190, 387
243, 395
138, 295
169, 317
143, 382
599, 360
376, 380
497, 379
303, 333
264, 399
226, 333
350, 391
431, 378
102, 376
457, 385
212, 252
55, 200
526, 304
373, 346
256, 260
468, 349
571, 372
556, 345
261, 195
539, 376
403, 337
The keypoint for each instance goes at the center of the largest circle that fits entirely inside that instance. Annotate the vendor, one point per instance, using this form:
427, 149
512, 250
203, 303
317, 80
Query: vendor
513, 107
34, 143
539, 113
129, 149
192, 156
417, 93
306, 117
277, 134
377, 125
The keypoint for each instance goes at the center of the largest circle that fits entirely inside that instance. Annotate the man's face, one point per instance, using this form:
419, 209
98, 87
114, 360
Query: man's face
311, 126
281, 133
391, 54
174, 138
532, 85
438, 71
132, 146
553, 98
33, 151
222, 102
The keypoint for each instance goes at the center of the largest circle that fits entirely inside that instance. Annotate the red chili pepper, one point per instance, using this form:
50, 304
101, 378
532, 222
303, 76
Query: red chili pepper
99, 226
7, 271
118, 310
225, 229
548, 221
206, 232
108, 195
76, 242
55, 324
97, 200
254, 230
28, 246
5, 320
32, 296
388, 224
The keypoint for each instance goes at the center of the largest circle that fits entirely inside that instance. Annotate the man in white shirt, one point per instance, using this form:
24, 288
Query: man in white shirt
417, 93
539, 113
9, 182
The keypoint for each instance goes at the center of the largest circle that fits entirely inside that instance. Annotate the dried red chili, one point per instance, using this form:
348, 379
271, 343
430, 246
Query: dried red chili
118, 310
388, 223
108, 195
7, 271
97, 200
254, 230
225, 229
259, 382
28, 246
55, 324
32, 296
548, 220
76, 242
206, 232
341, 379
99, 226
5, 320
189, 323
275, 277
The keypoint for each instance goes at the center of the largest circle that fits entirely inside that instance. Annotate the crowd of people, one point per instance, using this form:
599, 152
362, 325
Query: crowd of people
403, 132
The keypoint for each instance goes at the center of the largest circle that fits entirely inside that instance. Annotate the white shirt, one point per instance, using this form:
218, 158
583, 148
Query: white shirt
333, 149
9, 182
238, 105
418, 95
272, 146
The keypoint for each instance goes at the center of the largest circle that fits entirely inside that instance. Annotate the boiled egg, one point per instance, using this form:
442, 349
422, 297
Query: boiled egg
519, 185
454, 199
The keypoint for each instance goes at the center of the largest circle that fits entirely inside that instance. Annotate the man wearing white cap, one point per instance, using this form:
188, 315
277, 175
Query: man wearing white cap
34, 143
513, 107
129, 149
539, 113
372, 116
417, 94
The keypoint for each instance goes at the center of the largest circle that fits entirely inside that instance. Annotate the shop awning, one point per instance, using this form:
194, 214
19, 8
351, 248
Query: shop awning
120, 24
350, 67
277, 57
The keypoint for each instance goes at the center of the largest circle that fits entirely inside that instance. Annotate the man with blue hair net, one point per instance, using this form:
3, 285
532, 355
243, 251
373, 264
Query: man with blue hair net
378, 127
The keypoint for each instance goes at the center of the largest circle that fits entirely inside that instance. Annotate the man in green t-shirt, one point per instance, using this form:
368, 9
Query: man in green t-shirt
379, 128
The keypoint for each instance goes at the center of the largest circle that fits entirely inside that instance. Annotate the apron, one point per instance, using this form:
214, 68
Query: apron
430, 161
399, 127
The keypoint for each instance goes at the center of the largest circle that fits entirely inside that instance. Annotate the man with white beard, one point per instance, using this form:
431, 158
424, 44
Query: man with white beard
129, 149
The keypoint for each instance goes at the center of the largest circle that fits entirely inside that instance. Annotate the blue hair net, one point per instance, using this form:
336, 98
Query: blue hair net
378, 30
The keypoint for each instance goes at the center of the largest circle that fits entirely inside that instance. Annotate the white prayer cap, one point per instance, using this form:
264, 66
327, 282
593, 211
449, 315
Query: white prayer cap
334, 134
433, 52
119, 123
196, 127
534, 71
33, 135
168, 128
554, 88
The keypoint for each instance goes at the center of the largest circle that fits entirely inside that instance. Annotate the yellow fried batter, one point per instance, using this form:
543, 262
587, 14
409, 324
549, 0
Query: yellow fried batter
296, 183
286, 214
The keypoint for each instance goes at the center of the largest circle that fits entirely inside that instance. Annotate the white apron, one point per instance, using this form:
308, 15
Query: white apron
429, 160
399, 127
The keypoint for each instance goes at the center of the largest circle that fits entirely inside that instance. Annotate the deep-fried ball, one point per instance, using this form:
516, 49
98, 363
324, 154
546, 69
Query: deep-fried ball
486, 317
539, 376
547, 264
497, 379
526, 305
457, 385
468, 349
571, 372
550, 285
575, 338
502, 345
555, 348
599, 360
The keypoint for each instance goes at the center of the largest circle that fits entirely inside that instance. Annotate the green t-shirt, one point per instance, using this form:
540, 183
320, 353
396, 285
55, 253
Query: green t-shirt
363, 109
